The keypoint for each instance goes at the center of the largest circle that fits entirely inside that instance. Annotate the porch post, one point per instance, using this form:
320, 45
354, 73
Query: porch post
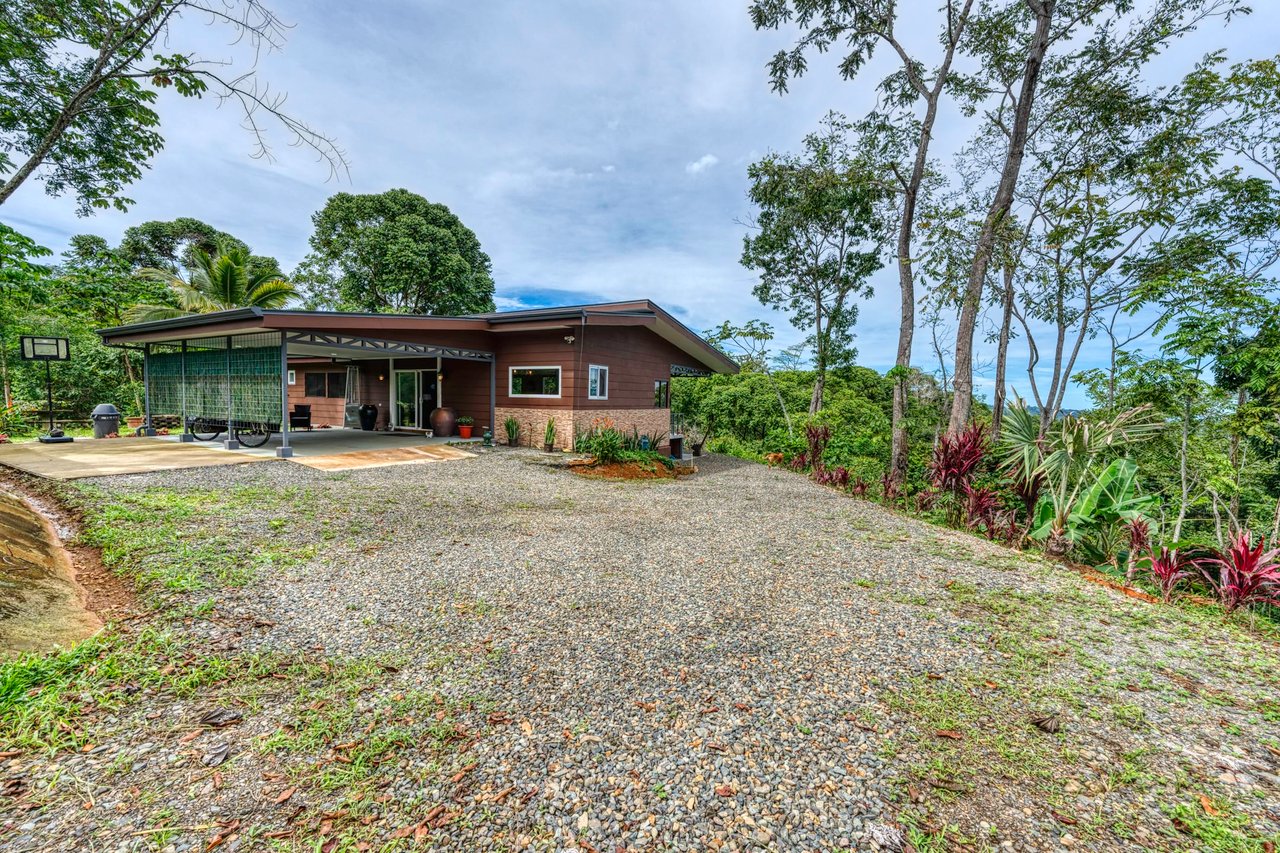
284, 451
493, 395
183, 433
393, 416
230, 442
147, 428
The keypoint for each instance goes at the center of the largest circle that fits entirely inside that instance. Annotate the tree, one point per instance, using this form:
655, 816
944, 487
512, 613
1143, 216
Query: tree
216, 283
1093, 40
749, 344
80, 79
173, 245
21, 286
814, 244
395, 252
901, 135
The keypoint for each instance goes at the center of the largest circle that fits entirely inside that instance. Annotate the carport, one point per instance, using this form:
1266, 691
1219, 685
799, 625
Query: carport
229, 371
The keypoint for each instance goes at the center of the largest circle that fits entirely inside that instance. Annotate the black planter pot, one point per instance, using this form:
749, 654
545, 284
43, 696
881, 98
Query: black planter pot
368, 417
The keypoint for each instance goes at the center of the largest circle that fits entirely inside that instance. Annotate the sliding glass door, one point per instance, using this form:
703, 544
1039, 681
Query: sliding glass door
407, 408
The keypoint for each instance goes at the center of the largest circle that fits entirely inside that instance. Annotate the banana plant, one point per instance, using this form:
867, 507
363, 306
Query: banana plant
1096, 522
1068, 456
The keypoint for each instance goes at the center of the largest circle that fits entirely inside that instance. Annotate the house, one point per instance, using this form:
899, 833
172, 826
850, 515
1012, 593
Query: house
574, 365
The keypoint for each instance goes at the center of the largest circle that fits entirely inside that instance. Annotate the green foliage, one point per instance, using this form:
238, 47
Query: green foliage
816, 241
216, 283
512, 427
79, 85
395, 252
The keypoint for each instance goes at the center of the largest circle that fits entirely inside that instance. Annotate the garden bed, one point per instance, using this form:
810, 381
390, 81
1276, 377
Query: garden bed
627, 470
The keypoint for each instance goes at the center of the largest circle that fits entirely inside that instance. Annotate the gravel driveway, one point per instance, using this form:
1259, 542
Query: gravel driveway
736, 660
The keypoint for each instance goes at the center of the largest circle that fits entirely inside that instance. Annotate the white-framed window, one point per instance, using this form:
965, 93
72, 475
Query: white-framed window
293, 377
598, 382
533, 381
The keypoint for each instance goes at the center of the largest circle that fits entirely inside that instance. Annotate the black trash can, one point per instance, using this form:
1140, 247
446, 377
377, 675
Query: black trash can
368, 414
677, 446
106, 420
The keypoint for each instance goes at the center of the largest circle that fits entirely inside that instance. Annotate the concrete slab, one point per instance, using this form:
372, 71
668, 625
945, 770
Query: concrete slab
104, 457
379, 458
327, 442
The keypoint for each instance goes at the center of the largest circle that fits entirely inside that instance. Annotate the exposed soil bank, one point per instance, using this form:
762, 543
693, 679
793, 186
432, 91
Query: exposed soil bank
51, 594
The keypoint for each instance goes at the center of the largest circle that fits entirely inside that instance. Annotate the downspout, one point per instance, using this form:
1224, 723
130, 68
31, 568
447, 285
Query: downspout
577, 378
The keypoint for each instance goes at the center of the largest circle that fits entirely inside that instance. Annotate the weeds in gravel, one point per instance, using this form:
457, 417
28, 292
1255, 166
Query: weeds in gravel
53, 701
187, 541
1222, 831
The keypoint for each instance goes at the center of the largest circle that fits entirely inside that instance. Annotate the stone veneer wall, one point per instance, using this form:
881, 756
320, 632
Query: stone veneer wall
570, 423
532, 424
646, 421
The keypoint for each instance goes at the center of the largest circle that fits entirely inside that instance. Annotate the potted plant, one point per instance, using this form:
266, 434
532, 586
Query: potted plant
465, 423
512, 426
549, 436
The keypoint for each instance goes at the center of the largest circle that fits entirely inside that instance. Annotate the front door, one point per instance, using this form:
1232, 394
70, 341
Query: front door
407, 403
417, 394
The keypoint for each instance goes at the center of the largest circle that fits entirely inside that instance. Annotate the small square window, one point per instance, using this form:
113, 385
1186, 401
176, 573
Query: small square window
661, 394
598, 382
337, 385
314, 384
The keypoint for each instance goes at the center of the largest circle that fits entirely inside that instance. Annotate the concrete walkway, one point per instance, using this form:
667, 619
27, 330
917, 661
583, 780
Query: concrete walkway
328, 450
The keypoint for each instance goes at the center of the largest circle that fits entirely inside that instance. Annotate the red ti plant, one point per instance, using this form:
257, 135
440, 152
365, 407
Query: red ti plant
889, 489
1027, 490
1167, 570
859, 488
925, 499
981, 507
1246, 574
1139, 541
955, 462
817, 436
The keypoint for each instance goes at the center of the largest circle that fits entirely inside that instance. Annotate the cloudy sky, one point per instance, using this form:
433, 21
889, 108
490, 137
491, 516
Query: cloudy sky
599, 150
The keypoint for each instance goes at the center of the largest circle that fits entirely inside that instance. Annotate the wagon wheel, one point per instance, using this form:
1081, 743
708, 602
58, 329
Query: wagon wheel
203, 430
253, 435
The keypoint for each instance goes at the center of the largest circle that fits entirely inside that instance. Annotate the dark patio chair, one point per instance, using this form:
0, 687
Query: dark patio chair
300, 417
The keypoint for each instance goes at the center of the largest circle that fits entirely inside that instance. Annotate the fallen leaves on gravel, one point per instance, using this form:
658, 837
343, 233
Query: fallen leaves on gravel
1061, 818
725, 791
1048, 723
221, 717
1209, 808
217, 755
229, 830
286, 794
949, 734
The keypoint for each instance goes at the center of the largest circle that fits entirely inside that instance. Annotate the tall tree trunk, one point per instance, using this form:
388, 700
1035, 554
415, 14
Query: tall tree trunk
1237, 458
962, 376
1184, 481
819, 359
1002, 352
906, 269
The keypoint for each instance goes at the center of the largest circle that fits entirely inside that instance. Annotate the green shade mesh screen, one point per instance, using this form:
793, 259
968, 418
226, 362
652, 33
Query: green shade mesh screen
251, 368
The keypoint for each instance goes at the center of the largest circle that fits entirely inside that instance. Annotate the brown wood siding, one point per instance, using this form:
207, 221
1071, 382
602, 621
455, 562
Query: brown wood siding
636, 358
330, 410
536, 349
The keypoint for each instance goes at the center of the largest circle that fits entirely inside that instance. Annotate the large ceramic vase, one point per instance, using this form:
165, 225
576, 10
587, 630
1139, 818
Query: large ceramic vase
443, 420
368, 414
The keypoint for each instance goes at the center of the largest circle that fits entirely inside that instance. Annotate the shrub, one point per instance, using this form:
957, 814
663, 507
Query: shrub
1139, 540
859, 488
817, 436
889, 489
956, 459
925, 499
1244, 574
512, 426
606, 445
1167, 569
981, 506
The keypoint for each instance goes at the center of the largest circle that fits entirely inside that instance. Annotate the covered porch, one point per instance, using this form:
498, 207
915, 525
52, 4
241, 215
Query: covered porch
270, 383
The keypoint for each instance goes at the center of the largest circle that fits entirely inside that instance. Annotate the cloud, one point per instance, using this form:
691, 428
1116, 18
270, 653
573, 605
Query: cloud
557, 137
706, 161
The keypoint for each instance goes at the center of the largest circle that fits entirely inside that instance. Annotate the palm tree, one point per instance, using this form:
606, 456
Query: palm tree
215, 282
